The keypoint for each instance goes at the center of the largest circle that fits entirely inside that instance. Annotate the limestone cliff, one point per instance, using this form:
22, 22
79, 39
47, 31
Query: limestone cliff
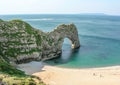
21, 42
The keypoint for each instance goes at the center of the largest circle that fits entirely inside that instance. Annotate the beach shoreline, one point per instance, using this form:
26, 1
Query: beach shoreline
52, 75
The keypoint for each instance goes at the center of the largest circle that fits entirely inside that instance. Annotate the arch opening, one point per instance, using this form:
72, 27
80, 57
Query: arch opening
66, 51
67, 43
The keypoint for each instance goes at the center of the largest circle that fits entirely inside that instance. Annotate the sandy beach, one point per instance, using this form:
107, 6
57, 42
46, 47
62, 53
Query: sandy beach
52, 75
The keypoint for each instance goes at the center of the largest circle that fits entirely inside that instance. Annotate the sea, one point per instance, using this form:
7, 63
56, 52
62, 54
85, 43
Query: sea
99, 37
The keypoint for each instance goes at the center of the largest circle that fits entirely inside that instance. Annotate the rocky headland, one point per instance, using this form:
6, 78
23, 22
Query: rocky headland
20, 42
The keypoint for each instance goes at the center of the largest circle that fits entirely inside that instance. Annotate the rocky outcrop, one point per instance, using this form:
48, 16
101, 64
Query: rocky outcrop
21, 42
57, 37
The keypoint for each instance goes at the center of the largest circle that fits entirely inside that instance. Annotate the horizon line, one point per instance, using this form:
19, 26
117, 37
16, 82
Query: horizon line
62, 14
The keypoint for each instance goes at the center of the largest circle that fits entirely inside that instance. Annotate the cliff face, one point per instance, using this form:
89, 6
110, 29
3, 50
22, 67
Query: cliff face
21, 42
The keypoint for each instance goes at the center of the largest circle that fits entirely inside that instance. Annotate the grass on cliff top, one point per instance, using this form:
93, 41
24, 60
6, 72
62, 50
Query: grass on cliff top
28, 28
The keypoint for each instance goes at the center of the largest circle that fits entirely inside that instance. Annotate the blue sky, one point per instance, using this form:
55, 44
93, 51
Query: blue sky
59, 6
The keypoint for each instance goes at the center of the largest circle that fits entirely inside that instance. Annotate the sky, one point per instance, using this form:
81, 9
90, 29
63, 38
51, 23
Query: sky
111, 7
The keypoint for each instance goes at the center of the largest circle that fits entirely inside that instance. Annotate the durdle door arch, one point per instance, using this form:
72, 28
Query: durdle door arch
66, 31
57, 37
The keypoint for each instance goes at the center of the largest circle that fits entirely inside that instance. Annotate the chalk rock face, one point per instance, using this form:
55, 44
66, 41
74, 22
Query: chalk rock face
20, 42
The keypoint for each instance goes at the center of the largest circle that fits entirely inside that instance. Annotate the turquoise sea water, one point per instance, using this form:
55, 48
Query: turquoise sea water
99, 37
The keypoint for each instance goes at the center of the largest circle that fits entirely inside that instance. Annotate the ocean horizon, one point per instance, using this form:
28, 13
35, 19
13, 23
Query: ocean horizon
99, 37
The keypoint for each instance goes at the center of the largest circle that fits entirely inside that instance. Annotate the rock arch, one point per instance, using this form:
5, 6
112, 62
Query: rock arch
57, 37
66, 31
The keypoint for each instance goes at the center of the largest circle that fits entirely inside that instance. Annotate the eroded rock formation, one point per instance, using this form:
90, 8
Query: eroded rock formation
21, 42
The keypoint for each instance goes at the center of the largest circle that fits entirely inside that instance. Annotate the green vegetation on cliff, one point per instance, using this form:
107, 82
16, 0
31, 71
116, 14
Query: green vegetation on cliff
15, 38
18, 37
